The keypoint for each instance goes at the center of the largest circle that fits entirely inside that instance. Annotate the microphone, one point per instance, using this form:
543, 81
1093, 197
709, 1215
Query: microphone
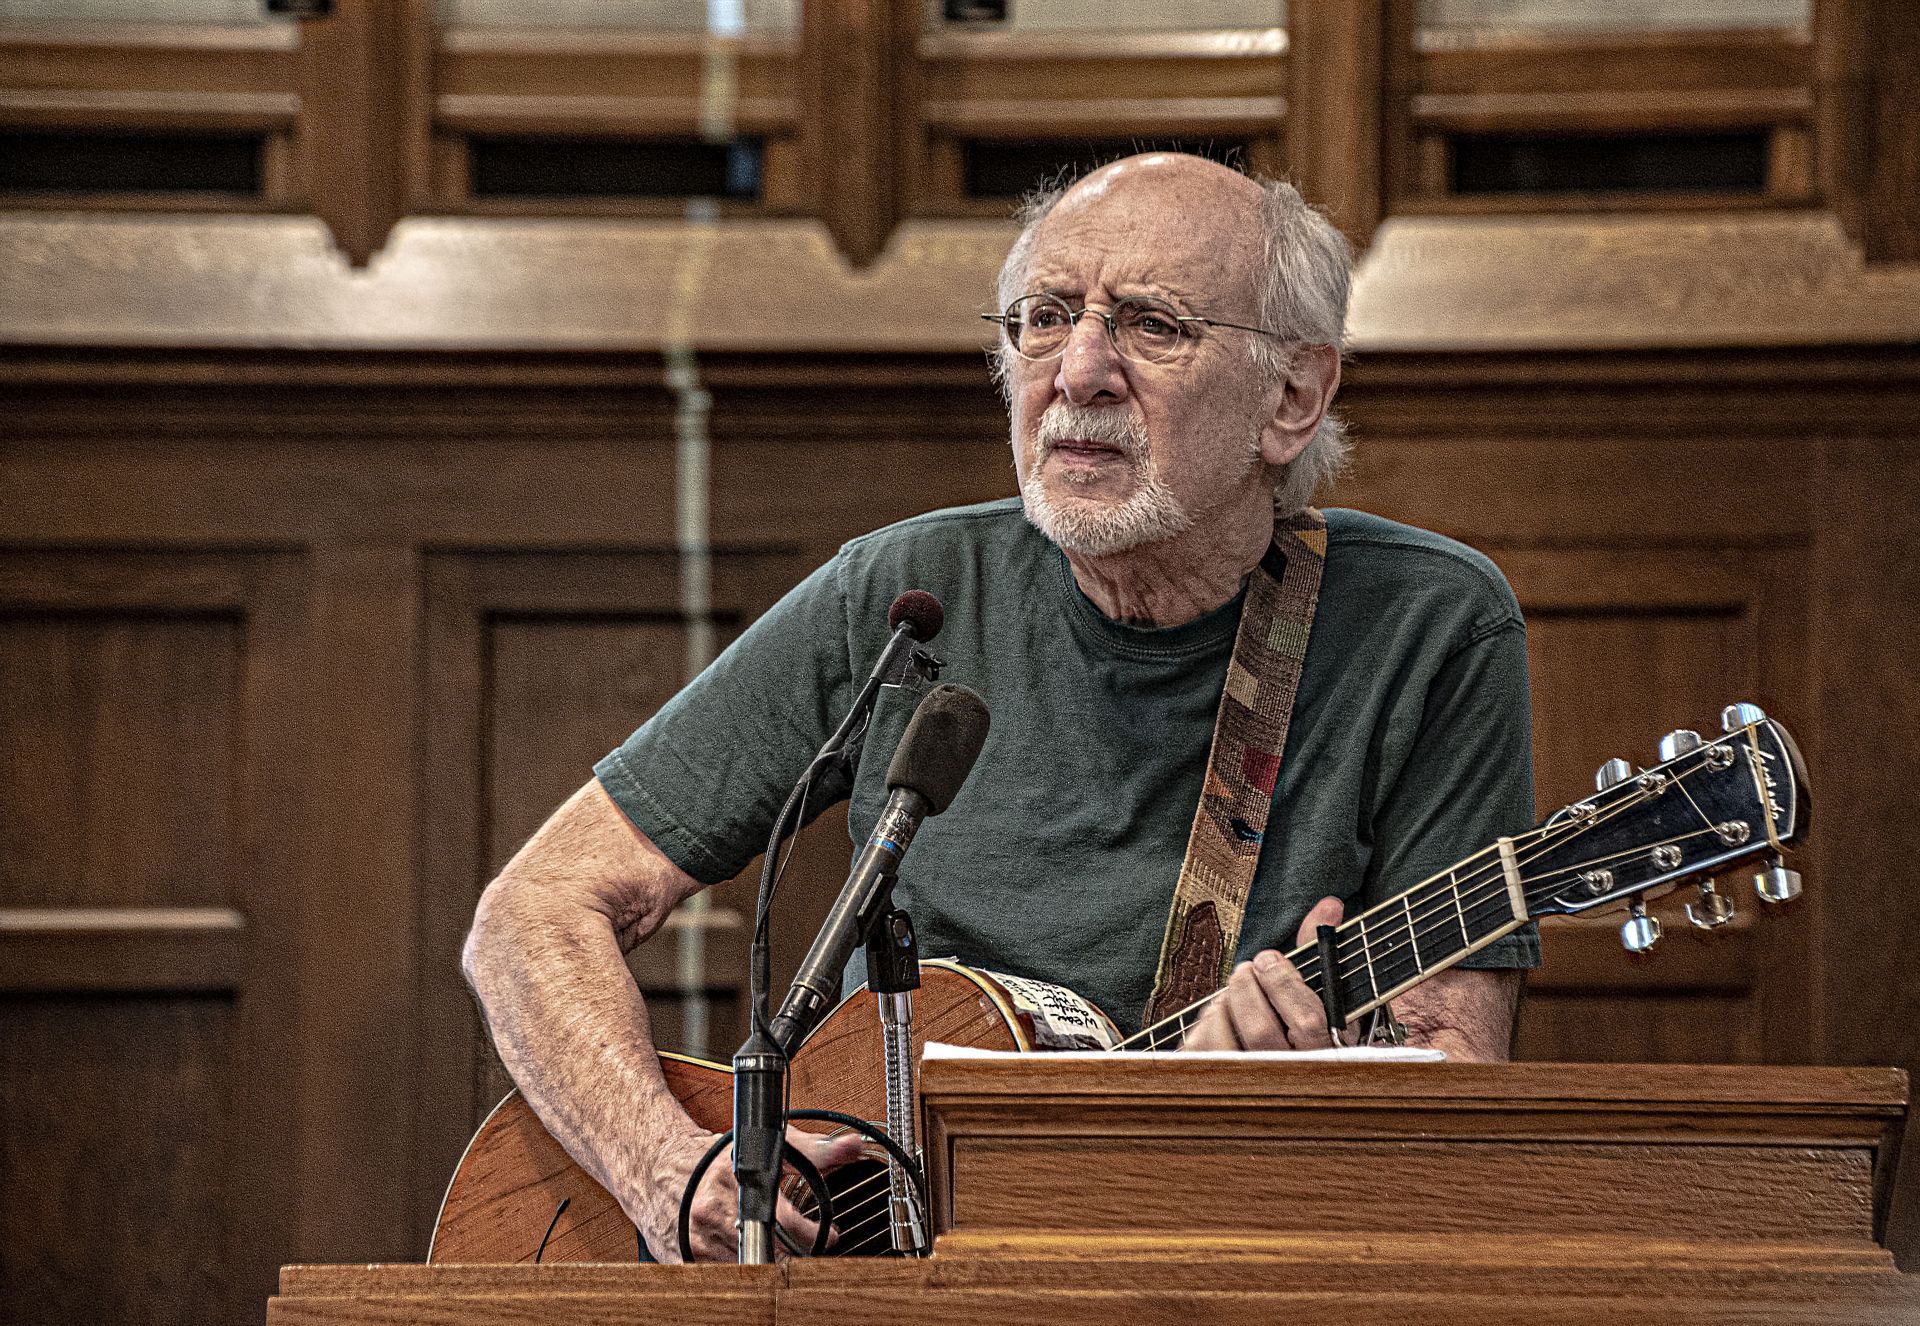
938, 750
916, 617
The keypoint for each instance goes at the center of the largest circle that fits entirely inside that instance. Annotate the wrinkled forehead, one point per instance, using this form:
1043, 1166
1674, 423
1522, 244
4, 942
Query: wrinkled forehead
1187, 233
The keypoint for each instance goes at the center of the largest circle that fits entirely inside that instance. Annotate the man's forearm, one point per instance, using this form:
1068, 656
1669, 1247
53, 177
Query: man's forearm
1467, 1014
545, 957
579, 1045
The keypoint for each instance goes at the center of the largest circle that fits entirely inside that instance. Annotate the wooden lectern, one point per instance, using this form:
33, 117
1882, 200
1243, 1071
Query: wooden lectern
1114, 1189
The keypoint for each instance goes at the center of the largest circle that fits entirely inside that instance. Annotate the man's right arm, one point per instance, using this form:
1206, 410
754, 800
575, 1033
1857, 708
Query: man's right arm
546, 956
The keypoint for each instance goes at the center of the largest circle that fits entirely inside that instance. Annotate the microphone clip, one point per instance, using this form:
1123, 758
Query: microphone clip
913, 675
919, 663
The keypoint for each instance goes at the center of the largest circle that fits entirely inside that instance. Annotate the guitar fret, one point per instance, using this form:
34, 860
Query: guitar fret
1466, 935
1413, 936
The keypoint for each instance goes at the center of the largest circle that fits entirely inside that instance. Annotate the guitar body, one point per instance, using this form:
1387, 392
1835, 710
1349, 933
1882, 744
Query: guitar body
514, 1174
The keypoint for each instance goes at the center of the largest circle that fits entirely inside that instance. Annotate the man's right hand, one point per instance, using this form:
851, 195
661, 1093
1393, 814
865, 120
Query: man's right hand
715, 1208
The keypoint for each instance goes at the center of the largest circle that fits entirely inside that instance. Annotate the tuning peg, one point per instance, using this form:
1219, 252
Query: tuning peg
1736, 716
1613, 771
1713, 910
1776, 883
1680, 741
1640, 932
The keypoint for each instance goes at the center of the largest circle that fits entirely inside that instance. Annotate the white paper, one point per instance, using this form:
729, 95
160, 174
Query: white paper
1345, 1054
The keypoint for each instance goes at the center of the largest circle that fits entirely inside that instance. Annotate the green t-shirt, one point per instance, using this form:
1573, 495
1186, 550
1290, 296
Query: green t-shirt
1409, 747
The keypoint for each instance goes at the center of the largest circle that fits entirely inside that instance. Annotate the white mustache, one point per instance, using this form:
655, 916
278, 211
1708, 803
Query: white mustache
1065, 422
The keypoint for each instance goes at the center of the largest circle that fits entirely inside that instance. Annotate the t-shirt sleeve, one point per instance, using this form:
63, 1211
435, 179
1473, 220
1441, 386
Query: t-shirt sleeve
1467, 779
705, 776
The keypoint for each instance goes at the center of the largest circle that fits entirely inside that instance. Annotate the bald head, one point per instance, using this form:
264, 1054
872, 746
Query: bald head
1183, 215
1176, 177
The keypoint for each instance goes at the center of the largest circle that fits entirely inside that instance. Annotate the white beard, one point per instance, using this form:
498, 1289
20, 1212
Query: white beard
1097, 526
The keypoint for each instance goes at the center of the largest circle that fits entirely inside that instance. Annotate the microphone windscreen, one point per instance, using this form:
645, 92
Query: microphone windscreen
920, 610
942, 740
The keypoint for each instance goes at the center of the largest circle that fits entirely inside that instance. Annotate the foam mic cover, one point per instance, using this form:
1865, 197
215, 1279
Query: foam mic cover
941, 742
919, 610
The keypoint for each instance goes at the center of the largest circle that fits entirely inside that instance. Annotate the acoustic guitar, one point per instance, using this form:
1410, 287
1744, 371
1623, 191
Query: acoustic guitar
1705, 807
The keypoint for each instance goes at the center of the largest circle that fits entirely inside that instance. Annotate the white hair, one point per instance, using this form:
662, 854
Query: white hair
1306, 271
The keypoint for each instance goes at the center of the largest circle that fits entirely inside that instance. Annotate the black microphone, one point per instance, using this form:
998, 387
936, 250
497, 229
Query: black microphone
916, 617
941, 743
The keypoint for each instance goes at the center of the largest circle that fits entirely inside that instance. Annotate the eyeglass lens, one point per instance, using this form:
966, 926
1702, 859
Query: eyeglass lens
1145, 329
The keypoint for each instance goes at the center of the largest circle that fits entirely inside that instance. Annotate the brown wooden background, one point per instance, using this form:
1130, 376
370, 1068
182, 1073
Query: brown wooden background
320, 586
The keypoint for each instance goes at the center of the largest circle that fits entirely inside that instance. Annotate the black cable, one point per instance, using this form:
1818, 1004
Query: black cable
794, 1156
541, 1251
878, 1134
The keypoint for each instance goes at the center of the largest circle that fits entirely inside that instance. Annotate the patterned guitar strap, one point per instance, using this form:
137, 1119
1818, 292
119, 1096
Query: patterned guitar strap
1249, 734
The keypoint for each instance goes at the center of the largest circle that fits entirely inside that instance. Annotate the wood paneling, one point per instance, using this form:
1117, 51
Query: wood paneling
1450, 82
369, 110
90, 949
1144, 86
146, 891
456, 572
120, 1141
129, 797
1867, 83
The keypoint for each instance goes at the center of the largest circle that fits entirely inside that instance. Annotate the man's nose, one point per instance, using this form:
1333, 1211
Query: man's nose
1091, 369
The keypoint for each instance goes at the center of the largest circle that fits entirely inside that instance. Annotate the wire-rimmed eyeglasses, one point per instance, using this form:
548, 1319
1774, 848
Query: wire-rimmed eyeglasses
1143, 328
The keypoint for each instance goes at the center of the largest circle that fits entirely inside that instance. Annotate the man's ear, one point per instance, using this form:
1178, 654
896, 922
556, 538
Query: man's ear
1303, 401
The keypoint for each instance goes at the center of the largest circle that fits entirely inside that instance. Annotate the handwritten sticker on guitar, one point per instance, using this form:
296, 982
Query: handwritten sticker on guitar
1055, 1018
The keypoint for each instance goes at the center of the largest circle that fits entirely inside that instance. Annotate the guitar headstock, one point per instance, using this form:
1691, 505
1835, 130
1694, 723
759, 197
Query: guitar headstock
1707, 806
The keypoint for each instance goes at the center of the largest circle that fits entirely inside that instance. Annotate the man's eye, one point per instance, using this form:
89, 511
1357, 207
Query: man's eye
1045, 319
1155, 324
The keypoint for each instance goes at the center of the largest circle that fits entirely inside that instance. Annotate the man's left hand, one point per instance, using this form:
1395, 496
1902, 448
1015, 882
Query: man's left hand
1266, 1005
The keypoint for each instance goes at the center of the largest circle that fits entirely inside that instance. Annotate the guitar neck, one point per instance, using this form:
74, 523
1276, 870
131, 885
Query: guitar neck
1707, 806
1395, 946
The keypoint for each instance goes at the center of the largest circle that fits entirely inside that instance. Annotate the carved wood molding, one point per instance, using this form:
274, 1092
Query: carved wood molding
99, 392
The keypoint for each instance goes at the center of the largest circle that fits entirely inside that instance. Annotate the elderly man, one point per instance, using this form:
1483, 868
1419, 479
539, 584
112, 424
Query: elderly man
1171, 350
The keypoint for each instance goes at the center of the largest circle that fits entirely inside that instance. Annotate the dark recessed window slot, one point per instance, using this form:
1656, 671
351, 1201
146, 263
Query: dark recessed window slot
1592, 163
34, 161
615, 168
1008, 168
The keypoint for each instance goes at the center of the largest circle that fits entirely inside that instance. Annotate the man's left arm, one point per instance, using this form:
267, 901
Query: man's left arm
1266, 1006
1467, 780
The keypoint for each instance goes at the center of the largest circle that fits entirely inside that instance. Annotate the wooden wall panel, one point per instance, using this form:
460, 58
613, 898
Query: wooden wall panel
119, 733
144, 897
119, 1141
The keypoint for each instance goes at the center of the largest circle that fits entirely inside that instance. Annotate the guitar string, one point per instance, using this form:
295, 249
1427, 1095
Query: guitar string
861, 1211
1495, 875
1494, 879
1407, 938
1407, 935
1402, 953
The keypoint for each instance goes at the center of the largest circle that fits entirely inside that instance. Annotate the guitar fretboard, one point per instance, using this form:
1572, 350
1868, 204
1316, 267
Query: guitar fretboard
1396, 945
1687, 818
